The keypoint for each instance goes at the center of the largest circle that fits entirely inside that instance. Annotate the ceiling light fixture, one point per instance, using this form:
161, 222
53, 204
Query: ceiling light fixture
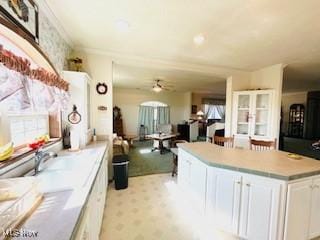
199, 39
156, 88
122, 25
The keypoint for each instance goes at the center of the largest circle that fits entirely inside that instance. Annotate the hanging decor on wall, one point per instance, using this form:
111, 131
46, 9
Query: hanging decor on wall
24, 14
74, 117
102, 88
22, 65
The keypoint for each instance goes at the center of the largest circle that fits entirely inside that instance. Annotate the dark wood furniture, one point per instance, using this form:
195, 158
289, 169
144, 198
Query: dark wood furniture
313, 115
184, 132
224, 141
117, 122
260, 145
296, 120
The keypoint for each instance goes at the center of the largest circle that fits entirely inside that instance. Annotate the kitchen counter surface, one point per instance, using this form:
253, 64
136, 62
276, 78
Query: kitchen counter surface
60, 213
274, 164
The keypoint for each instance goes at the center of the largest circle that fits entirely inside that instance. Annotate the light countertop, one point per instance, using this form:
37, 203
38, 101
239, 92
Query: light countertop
60, 213
274, 164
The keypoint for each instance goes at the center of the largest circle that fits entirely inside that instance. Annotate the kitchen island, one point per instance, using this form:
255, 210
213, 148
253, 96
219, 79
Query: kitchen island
252, 195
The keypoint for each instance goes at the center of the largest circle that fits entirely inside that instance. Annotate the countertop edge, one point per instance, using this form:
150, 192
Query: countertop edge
250, 171
81, 214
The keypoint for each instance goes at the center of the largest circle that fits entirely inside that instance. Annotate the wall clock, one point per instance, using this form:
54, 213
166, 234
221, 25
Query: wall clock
102, 88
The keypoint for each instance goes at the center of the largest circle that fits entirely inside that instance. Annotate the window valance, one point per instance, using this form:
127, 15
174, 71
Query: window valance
213, 101
22, 65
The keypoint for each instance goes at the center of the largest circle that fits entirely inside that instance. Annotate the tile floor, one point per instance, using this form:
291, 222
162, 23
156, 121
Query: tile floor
152, 208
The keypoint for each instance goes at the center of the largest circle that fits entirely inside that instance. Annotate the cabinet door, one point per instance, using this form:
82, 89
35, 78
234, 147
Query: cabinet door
260, 204
261, 113
241, 120
298, 210
314, 229
223, 199
183, 169
198, 183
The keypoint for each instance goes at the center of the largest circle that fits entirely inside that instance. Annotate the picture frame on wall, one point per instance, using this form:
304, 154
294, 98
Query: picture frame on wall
194, 109
22, 13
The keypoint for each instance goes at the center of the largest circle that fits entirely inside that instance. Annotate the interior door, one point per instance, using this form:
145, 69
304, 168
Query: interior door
259, 208
223, 199
314, 228
298, 210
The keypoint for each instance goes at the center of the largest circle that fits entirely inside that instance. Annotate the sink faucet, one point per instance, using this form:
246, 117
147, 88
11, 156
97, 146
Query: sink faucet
39, 157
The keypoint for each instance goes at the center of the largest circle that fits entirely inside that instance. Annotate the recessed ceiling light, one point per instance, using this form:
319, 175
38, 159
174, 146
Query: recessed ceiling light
122, 25
198, 39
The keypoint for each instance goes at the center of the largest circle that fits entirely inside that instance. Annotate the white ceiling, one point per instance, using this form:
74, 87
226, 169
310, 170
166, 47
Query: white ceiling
245, 35
176, 80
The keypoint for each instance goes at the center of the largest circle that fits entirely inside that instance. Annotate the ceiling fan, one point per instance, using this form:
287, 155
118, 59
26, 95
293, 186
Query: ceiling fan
157, 87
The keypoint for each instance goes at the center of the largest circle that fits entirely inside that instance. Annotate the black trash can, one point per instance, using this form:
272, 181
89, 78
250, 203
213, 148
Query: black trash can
120, 171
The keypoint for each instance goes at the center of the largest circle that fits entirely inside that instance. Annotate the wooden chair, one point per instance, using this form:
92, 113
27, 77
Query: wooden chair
260, 145
224, 141
175, 156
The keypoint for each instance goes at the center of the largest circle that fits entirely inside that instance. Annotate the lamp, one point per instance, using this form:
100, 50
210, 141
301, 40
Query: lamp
200, 114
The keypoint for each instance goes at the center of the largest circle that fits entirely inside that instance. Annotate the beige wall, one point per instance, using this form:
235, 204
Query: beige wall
129, 100
287, 100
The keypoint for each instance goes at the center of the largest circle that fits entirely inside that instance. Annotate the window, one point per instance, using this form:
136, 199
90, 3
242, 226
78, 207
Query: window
214, 111
156, 115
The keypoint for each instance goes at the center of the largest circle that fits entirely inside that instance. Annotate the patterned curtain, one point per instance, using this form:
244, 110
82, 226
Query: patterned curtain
163, 115
19, 92
23, 88
146, 118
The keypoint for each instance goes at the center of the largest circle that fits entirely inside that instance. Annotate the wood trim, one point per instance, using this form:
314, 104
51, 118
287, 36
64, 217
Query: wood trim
26, 36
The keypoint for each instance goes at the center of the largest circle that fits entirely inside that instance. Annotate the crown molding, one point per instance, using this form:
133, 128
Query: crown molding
133, 60
45, 9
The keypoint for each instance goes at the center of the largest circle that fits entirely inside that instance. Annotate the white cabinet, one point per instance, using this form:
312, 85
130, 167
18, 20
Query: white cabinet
303, 210
192, 178
79, 89
93, 215
244, 205
252, 114
314, 228
260, 207
223, 199
198, 183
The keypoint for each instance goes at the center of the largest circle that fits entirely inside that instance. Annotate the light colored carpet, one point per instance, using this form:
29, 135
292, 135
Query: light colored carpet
151, 208
144, 162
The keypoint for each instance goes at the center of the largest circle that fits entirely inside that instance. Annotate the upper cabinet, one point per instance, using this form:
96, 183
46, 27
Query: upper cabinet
252, 114
80, 84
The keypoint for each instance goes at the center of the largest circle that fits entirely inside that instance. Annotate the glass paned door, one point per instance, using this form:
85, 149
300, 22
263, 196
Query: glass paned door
262, 112
243, 114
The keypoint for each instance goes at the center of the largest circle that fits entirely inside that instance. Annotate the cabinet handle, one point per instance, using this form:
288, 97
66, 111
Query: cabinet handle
311, 186
248, 184
316, 186
238, 182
